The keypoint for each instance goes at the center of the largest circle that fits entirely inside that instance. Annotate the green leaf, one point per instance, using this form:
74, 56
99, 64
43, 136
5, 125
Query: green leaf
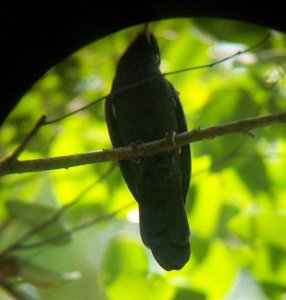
125, 273
34, 215
186, 294
272, 226
225, 106
242, 226
253, 172
277, 257
124, 256
274, 290
233, 31
269, 226
138, 286
43, 277
199, 248
227, 213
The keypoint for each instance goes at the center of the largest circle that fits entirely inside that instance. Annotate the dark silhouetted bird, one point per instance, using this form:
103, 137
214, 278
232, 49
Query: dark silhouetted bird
146, 112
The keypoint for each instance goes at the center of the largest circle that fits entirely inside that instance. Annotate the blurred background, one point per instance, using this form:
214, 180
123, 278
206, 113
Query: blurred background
236, 204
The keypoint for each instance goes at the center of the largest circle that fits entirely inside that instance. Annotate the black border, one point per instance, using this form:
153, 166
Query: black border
34, 39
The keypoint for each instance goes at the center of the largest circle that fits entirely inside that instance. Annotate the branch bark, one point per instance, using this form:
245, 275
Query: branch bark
13, 166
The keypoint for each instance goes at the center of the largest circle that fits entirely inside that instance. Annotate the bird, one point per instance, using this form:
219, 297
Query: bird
143, 106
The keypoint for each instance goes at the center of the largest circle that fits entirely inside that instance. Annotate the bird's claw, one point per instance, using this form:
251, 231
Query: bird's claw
134, 146
171, 136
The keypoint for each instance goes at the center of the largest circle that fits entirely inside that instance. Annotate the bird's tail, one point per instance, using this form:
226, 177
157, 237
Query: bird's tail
163, 222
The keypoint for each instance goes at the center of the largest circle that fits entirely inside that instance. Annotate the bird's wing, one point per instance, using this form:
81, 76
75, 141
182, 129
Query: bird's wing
185, 155
127, 168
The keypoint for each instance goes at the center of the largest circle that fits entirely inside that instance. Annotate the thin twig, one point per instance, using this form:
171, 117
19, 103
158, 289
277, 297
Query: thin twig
50, 221
74, 112
74, 229
27, 139
210, 65
140, 82
143, 150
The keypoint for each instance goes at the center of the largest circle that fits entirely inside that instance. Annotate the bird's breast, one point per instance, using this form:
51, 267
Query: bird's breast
145, 112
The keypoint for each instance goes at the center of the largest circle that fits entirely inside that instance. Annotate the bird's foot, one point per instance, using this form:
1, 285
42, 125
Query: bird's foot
171, 137
134, 145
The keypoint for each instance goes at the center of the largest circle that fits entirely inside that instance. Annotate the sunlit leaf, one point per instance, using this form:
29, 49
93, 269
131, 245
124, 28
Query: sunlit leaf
138, 286
269, 226
124, 256
217, 271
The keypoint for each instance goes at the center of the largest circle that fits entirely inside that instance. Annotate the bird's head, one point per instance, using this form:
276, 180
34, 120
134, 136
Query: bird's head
142, 53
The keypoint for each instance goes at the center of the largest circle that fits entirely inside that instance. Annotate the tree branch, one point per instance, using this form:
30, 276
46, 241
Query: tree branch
13, 166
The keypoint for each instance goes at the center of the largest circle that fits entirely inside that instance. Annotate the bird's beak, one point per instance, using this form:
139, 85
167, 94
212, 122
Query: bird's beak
147, 33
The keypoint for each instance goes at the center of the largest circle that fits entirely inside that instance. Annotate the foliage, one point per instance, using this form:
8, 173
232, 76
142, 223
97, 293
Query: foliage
236, 205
